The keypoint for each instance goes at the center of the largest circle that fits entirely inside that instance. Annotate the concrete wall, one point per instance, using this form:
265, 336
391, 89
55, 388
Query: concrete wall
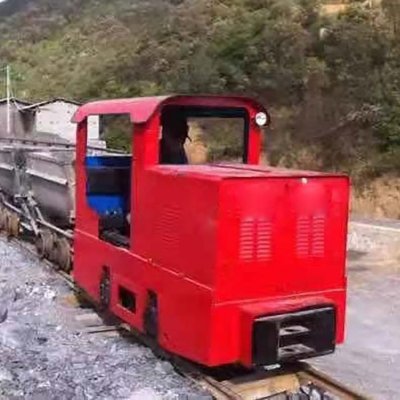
56, 118
22, 124
52, 119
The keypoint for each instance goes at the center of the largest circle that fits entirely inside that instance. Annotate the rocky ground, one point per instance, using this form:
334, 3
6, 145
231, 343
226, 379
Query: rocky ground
370, 358
44, 355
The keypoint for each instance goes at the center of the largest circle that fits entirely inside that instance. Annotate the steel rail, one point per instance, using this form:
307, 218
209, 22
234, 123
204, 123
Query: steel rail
309, 373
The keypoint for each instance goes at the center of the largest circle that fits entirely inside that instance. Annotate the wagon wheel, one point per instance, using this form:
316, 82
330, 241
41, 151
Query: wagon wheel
45, 244
12, 225
3, 218
63, 254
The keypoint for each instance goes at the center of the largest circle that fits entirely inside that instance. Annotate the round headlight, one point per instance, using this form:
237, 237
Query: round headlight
261, 119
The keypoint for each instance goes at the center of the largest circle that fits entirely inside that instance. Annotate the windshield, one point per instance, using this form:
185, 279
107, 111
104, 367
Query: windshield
202, 135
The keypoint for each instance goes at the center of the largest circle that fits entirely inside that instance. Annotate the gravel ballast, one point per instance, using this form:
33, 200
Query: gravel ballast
45, 355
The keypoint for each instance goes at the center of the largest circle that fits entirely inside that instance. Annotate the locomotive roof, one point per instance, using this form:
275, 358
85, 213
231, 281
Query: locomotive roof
141, 109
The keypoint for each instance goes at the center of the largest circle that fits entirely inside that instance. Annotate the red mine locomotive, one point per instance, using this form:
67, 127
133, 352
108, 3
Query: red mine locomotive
221, 263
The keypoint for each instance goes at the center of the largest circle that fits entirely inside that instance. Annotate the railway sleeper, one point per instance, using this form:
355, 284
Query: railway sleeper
297, 381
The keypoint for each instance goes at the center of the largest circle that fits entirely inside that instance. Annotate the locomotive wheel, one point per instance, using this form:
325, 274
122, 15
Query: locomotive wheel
151, 315
105, 290
4, 219
45, 244
63, 254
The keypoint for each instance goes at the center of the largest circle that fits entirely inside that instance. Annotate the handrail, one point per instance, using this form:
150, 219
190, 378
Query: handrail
57, 144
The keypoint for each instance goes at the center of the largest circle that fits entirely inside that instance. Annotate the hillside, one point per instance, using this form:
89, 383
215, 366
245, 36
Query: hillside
332, 82
330, 7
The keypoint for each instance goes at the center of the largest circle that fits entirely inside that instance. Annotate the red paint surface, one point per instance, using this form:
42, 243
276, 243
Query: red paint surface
220, 245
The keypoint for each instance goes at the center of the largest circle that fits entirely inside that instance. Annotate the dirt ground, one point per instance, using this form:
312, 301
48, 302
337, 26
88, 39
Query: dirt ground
379, 199
369, 361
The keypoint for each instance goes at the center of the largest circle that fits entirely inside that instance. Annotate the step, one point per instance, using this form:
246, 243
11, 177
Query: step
293, 330
294, 350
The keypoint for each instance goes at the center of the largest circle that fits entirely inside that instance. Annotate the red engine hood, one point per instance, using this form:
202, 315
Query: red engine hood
226, 171
281, 234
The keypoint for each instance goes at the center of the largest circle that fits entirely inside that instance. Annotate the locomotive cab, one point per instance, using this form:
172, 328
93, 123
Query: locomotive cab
219, 259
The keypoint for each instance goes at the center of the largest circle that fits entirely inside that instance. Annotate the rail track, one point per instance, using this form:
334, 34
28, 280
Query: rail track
298, 381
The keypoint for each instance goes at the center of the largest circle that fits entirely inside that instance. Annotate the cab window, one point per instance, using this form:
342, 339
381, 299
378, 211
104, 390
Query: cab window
203, 135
